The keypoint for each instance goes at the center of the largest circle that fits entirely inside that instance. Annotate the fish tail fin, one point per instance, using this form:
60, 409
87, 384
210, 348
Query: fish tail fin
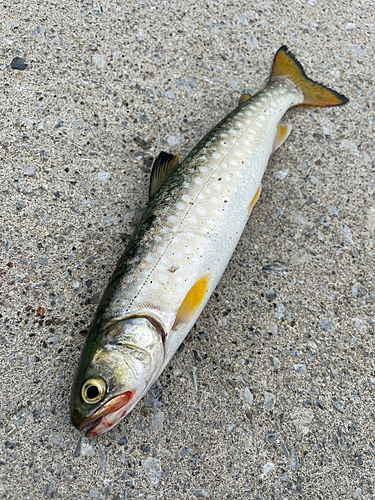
286, 65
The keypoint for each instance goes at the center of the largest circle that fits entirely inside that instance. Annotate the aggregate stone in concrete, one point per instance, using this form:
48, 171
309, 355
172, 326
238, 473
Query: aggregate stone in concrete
272, 394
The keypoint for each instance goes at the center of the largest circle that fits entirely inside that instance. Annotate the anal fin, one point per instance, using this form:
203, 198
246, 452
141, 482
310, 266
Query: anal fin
162, 167
254, 200
282, 133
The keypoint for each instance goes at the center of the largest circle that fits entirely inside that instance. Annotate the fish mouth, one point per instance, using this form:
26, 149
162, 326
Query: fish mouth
107, 415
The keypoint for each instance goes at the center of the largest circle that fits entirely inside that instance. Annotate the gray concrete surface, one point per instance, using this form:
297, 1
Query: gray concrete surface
282, 404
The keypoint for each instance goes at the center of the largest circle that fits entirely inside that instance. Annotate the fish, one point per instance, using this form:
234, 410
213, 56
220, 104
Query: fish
181, 246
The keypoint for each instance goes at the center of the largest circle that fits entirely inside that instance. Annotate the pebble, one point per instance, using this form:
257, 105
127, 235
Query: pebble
276, 363
172, 140
358, 323
102, 457
241, 19
276, 266
83, 448
185, 451
29, 170
231, 428
300, 369
333, 211
272, 438
355, 289
247, 396
270, 295
201, 493
152, 469
20, 417
99, 60
103, 176
94, 493
293, 461
339, 406
326, 324
197, 356
155, 395
267, 468
57, 439
350, 146
232, 82
157, 421
281, 174
269, 400
193, 376
18, 63
358, 492
273, 328
169, 94
279, 314
187, 83
345, 231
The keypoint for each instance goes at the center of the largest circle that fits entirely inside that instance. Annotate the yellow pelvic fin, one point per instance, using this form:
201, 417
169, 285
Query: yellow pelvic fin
162, 167
254, 200
286, 65
192, 301
244, 98
282, 133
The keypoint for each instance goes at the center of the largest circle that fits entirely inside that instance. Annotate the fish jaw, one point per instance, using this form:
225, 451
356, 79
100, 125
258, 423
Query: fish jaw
107, 415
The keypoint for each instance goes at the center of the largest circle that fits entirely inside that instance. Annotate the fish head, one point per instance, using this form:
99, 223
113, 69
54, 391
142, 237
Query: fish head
115, 373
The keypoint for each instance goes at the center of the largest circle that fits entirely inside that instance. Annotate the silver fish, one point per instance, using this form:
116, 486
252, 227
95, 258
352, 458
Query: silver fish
197, 211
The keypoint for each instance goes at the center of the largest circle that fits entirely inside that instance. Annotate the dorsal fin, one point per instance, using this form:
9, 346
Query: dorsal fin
162, 167
244, 98
282, 133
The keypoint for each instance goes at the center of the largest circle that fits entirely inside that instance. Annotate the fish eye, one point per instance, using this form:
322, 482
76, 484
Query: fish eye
93, 390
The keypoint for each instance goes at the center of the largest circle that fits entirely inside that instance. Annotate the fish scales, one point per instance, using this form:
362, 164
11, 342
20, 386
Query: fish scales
199, 213
181, 248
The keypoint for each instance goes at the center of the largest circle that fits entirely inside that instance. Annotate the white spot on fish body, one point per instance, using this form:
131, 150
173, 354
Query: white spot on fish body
180, 205
226, 177
224, 144
192, 219
203, 158
232, 131
216, 155
154, 284
238, 152
187, 249
214, 200
207, 190
177, 254
233, 163
186, 198
201, 210
186, 184
203, 170
173, 219
163, 278
164, 230
216, 186
201, 196
198, 181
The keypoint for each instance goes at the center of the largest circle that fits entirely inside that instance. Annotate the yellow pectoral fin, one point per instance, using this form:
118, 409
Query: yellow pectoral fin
282, 133
254, 200
192, 301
